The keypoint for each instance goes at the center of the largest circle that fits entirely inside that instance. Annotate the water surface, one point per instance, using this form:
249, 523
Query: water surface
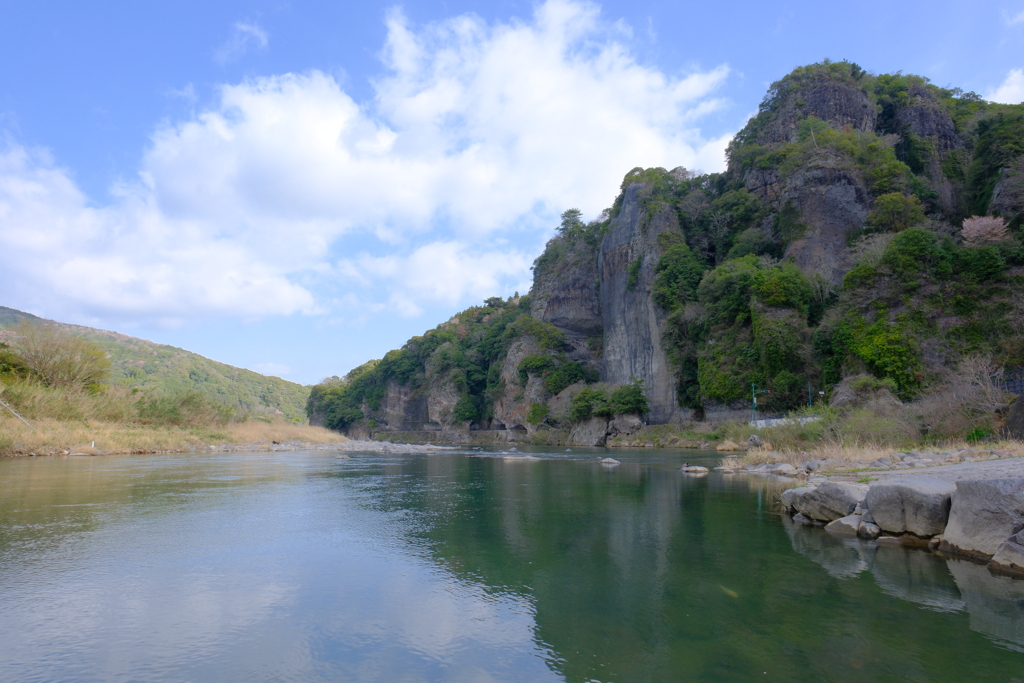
464, 567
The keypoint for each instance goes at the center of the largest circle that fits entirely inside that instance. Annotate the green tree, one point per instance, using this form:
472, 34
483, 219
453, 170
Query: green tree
896, 211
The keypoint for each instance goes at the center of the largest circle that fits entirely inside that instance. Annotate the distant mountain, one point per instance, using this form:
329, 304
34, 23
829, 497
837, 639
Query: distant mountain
145, 365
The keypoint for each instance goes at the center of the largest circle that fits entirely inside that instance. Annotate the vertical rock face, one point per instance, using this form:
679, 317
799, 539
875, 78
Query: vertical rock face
836, 103
405, 409
632, 321
512, 405
567, 296
832, 203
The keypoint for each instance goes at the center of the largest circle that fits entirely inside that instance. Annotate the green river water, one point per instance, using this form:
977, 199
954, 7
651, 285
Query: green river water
464, 566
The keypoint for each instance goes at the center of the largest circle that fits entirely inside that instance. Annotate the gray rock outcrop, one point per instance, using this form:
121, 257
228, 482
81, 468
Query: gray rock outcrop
845, 526
632, 321
1014, 425
918, 505
1009, 557
831, 500
837, 103
592, 432
984, 514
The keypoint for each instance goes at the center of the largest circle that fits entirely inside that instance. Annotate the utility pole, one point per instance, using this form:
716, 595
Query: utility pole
754, 391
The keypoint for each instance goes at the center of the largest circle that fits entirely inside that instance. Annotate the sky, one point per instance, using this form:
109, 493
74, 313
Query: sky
296, 187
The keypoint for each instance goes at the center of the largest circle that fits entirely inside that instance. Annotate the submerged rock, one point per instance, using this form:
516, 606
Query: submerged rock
694, 469
984, 514
845, 526
609, 461
919, 505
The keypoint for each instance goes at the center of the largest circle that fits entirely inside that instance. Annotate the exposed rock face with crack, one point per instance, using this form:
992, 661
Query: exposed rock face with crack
836, 103
832, 203
831, 500
632, 321
919, 505
514, 402
567, 296
925, 118
984, 514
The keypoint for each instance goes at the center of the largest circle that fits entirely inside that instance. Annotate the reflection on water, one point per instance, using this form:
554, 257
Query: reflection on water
464, 567
995, 603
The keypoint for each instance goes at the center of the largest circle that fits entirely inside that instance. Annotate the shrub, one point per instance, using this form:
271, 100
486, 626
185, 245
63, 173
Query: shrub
538, 413
465, 410
896, 211
185, 409
783, 286
58, 359
859, 276
914, 251
677, 274
629, 399
633, 272
980, 263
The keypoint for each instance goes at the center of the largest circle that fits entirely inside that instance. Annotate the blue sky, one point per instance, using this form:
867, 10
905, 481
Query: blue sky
297, 187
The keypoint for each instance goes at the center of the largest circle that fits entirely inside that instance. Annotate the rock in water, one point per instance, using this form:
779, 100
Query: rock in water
789, 496
609, 461
845, 526
784, 469
984, 514
831, 500
868, 530
694, 469
919, 505
1009, 557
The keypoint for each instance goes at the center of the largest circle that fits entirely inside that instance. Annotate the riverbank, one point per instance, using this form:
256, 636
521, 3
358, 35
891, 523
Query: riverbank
969, 506
54, 437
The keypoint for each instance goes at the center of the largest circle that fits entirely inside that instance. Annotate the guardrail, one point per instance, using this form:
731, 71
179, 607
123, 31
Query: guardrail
1013, 381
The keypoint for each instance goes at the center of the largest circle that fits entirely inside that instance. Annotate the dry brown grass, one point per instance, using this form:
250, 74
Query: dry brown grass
51, 437
865, 454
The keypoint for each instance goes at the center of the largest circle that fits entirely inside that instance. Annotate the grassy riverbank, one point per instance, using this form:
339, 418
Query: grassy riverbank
54, 437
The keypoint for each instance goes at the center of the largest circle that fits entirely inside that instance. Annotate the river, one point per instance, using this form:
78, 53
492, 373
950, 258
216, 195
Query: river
464, 566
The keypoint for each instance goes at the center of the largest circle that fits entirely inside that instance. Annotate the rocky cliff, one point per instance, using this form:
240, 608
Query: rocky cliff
831, 247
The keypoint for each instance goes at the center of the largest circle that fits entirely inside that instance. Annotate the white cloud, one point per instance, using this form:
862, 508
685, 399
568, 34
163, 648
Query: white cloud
440, 190
244, 35
1015, 19
1011, 91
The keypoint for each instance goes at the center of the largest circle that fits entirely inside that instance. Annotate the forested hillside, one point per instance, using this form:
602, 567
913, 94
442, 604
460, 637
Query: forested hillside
868, 228
160, 369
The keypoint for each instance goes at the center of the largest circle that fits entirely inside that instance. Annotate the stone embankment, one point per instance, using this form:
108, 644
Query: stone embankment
969, 509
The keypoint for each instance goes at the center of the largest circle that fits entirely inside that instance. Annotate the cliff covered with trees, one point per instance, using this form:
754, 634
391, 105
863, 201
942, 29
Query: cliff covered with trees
867, 232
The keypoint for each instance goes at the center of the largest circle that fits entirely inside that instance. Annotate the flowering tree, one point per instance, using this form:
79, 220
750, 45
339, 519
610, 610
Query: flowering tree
979, 230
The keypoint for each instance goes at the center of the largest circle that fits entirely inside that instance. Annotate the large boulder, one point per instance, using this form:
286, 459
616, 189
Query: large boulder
919, 505
592, 432
831, 500
1009, 555
844, 526
1014, 426
985, 512
790, 496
